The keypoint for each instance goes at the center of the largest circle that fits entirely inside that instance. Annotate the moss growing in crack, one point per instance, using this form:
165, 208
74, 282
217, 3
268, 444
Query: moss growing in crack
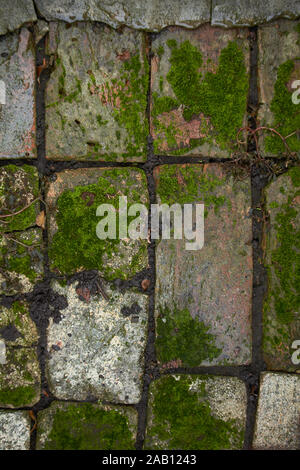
181, 337
184, 184
87, 427
221, 96
286, 113
183, 419
17, 184
19, 396
76, 246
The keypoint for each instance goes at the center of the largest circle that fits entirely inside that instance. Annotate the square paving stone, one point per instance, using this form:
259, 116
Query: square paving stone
97, 348
19, 377
278, 68
14, 430
96, 97
21, 255
17, 115
203, 297
196, 412
278, 413
83, 426
281, 308
199, 90
73, 199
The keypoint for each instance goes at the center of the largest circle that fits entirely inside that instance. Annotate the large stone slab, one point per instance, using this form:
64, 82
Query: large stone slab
278, 68
151, 16
196, 412
203, 297
278, 413
72, 201
244, 13
199, 90
96, 97
21, 258
17, 115
97, 349
83, 426
281, 308
14, 15
14, 430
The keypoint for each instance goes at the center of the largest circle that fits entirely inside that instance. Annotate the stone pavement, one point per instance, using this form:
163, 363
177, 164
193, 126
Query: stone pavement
129, 343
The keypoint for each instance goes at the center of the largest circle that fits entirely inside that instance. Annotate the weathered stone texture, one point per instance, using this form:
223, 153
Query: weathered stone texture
15, 13
17, 119
278, 68
278, 413
281, 309
203, 297
150, 16
196, 412
83, 426
96, 97
14, 430
72, 200
21, 258
249, 13
97, 349
199, 90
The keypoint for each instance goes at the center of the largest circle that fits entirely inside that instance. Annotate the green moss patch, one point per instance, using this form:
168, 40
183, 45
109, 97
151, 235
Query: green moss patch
88, 427
221, 96
182, 337
76, 246
18, 186
286, 113
181, 418
20, 396
186, 184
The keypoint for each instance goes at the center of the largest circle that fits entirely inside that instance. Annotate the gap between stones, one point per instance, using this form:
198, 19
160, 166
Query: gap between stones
42, 295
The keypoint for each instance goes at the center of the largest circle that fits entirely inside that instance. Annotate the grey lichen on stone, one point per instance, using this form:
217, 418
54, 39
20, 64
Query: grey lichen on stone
17, 71
150, 16
96, 97
278, 413
97, 349
196, 412
14, 14
14, 430
86, 426
230, 13
281, 321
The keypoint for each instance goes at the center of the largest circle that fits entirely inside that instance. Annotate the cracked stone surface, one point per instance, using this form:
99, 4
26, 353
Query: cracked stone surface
244, 13
17, 71
121, 258
96, 96
21, 255
198, 293
281, 311
278, 413
278, 43
97, 349
151, 16
14, 430
13, 17
214, 408
175, 133
104, 427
